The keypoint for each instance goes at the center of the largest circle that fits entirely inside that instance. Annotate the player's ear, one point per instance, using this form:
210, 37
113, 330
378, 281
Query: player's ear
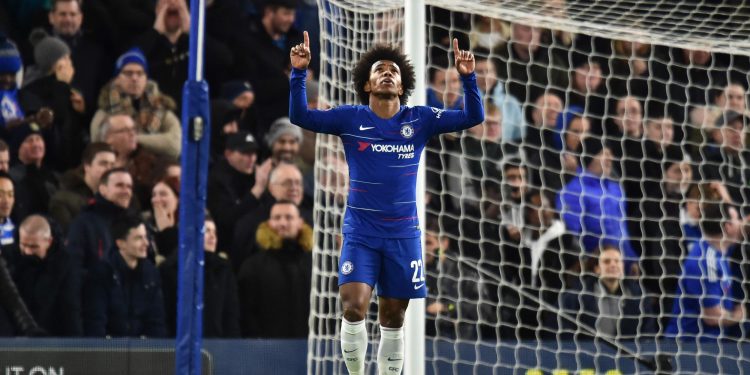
367, 87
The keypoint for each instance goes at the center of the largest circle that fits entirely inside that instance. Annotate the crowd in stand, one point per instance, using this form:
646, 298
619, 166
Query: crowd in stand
609, 183
90, 174
609, 180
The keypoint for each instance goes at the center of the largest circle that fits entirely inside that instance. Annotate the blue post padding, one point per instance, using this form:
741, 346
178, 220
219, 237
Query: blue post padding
195, 154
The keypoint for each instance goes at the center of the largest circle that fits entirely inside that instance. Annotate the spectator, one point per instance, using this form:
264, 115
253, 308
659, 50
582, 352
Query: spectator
609, 304
631, 71
119, 132
240, 96
558, 160
445, 88
90, 239
283, 140
704, 308
122, 296
79, 185
46, 280
729, 160
274, 283
472, 181
587, 89
553, 253
4, 157
221, 312
132, 93
225, 120
663, 237
167, 47
34, 181
623, 130
284, 184
274, 34
544, 114
236, 184
163, 219
7, 222
689, 75
65, 18
526, 68
19, 106
455, 297
52, 86
593, 208
514, 125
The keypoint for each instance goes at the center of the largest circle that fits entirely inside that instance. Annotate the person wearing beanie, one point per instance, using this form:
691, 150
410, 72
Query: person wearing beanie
284, 139
65, 19
239, 93
50, 81
131, 92
19, 106
592, 204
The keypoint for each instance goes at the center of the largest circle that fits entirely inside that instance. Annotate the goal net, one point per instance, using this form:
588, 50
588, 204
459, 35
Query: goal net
562, 235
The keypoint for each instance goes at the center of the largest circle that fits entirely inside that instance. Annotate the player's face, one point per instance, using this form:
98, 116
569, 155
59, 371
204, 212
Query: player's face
385, 79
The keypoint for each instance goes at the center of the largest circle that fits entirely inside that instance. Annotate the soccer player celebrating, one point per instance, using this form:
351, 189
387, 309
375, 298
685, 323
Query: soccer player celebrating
383, 141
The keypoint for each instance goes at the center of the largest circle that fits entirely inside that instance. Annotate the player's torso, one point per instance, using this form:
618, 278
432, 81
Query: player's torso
383, 157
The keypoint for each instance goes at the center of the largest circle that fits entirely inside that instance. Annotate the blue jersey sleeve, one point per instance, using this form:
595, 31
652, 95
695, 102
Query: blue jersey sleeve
328, 121
447, 121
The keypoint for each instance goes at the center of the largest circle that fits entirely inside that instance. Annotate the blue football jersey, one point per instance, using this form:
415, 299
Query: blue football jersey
383, 154
705, 282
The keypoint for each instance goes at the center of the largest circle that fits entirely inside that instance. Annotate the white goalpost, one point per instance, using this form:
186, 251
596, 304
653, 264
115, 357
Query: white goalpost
519, 215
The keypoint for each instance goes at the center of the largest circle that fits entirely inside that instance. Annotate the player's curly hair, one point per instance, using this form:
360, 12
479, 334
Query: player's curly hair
361, 73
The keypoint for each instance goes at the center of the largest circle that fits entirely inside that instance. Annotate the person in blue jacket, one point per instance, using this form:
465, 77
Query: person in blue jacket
383, 140
592, 205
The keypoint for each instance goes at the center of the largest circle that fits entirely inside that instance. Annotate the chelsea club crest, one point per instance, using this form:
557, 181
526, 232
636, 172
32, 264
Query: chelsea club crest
347, 268
407, 131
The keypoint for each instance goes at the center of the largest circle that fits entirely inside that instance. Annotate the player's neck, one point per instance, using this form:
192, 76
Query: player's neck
385, 108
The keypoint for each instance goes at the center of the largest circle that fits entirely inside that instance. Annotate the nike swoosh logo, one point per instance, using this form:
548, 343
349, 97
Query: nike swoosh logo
418, 286
394, 359
361, 127
350, 351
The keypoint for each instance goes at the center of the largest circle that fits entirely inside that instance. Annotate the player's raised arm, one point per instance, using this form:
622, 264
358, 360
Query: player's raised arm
300, 54
473, 112
317, 121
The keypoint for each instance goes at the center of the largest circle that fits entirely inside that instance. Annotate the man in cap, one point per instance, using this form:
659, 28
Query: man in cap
236, 183
131, 92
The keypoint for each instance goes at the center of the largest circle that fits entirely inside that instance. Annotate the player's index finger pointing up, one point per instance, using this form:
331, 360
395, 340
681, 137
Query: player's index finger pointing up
455, 46
307, 39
